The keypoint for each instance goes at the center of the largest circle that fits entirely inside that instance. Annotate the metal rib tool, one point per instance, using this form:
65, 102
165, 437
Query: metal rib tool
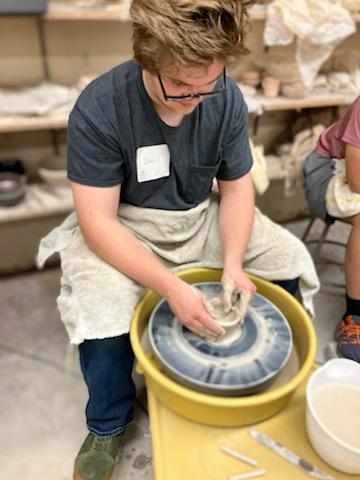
288, 455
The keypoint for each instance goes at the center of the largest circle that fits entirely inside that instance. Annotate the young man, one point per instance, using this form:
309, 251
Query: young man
332, 186
145, 142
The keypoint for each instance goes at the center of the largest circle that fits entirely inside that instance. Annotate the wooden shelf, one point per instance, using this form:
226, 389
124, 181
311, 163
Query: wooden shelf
40, 201
121, 12
259, 13
110, 13
22, 124
313, 100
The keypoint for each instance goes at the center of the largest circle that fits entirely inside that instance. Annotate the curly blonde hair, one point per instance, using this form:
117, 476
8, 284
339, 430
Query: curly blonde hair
188, 32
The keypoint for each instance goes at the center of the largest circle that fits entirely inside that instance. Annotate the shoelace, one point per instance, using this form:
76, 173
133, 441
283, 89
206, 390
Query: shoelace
351, 329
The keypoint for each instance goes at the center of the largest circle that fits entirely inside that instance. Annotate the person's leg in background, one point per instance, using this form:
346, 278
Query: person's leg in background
292, 286
107, 368
348, 332
317, 173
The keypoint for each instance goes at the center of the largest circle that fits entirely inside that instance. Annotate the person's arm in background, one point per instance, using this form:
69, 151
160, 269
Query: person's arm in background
352, 161
96, 209
236, 216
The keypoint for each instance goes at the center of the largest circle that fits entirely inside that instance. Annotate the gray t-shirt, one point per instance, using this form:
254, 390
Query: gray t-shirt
116, 137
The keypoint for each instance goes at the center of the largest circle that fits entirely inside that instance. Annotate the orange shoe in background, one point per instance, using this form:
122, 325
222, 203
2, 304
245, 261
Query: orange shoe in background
348, 337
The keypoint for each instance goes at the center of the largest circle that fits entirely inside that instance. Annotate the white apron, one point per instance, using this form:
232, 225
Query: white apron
97, 301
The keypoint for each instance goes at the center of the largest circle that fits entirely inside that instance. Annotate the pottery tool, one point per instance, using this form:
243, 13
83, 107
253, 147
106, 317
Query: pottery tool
243, 476
240, 456
288, 455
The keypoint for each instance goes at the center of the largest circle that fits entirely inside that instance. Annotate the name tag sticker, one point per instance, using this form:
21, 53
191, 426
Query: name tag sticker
152, 162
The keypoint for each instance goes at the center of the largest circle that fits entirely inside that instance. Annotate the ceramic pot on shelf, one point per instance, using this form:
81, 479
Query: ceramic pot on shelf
271, 87
12, 182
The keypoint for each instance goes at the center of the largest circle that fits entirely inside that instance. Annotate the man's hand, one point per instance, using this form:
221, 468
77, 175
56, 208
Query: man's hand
187, 304
234, 282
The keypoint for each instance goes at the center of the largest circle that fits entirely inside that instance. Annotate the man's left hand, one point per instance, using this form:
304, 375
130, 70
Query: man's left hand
235, 281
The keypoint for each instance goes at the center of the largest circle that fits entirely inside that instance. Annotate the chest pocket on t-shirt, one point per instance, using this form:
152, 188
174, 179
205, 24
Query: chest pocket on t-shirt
200, 181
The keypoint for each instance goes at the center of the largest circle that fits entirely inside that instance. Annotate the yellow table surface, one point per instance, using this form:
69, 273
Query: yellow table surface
183, 450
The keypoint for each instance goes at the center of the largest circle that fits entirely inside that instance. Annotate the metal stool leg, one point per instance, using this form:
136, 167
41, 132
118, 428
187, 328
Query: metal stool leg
319, 242
307, 230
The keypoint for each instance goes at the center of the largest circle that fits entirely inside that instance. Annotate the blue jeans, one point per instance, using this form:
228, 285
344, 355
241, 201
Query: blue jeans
292, 286
107, 368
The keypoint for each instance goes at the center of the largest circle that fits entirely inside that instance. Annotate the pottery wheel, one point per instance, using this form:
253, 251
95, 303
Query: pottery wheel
241, 367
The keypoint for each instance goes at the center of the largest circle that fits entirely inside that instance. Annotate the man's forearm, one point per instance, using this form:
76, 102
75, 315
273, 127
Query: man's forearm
117, 246
236, 216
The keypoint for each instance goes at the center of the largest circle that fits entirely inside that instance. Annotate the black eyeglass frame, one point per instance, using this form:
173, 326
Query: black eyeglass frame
190, 96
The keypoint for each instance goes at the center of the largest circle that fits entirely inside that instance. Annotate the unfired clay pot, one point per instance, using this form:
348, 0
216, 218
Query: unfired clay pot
294, 90
251, 77
271, 87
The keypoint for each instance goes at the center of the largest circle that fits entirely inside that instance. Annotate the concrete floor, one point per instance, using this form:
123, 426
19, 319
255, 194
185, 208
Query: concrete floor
43, 396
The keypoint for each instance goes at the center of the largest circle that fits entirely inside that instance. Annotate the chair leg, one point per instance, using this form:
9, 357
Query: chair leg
321, 242
318, 246
307, 230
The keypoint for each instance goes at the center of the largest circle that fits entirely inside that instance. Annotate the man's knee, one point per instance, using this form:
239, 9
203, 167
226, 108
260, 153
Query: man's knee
107, 348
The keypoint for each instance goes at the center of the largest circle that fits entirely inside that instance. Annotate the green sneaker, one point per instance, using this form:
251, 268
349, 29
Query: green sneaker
97, 457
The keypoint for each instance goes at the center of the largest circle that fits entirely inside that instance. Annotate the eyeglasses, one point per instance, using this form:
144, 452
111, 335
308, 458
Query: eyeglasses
190, 96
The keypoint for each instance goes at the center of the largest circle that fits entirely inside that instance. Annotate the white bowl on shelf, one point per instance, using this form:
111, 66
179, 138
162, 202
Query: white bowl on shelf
54, 178
336, 383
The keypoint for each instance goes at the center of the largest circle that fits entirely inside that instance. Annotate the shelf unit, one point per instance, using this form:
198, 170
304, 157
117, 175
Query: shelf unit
313, 100
23, 124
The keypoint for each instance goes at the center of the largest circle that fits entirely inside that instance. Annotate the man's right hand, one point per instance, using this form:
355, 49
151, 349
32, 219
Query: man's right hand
186, 302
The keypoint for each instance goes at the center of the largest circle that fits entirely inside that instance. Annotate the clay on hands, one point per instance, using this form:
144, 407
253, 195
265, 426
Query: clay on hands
230, 319
241, 306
